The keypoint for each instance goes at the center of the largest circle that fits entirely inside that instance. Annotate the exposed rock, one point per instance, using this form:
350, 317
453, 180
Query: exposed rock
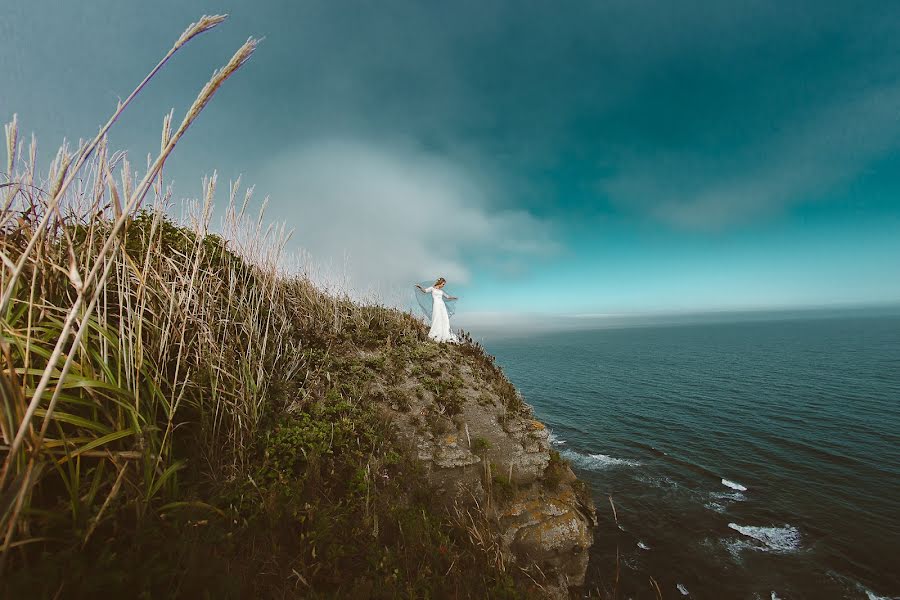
501, 459
550, 531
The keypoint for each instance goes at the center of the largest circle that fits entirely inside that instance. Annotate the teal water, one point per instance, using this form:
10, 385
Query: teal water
745, 460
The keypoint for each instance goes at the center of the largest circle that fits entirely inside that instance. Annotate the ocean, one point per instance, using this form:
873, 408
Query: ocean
756, 459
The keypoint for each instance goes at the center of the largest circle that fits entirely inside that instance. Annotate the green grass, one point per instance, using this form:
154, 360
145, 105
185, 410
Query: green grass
182, 419
480, 445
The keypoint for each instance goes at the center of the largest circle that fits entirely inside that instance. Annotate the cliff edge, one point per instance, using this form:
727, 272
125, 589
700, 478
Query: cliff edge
282, 442
482, 447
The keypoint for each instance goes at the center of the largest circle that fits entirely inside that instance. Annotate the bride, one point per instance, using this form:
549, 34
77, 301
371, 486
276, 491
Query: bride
440, 318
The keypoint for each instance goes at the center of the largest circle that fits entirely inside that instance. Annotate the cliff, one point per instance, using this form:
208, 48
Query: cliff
230, 431
483, 455
482, 447
182, 419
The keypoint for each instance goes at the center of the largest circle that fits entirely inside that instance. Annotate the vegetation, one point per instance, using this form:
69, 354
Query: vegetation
182, 418
502, 486
480, 445
556, 470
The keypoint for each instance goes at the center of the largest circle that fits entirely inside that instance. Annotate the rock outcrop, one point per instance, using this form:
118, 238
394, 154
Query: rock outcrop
481, 445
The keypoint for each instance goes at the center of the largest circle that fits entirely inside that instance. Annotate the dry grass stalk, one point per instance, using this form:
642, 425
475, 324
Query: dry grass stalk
205, 95
38, 238
204, 24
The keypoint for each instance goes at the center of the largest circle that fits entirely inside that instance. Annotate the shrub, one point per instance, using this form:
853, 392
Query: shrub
555, 471
480, 445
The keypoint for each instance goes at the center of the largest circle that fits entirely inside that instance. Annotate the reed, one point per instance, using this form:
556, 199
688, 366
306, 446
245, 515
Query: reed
144, 357
109, 314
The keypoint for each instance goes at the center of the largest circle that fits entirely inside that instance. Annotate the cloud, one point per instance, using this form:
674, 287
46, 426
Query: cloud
374, 219
805, 159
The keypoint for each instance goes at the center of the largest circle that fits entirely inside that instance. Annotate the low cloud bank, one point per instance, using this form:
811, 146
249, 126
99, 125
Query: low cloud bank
372, 220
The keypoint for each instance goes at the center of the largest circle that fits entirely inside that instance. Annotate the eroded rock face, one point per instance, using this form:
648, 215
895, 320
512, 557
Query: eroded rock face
551, 531
501, 459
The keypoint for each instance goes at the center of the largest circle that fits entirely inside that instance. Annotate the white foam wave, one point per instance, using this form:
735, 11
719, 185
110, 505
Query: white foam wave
776, 539
870, 595
736, 549
733, 485
719, 501
556, 440
664, 483
682, 589
857, 586
643, 546
730, 496
597, 462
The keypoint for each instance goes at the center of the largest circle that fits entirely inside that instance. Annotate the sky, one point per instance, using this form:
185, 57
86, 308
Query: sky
574, 158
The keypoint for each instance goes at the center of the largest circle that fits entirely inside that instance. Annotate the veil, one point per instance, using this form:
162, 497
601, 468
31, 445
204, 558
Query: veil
424, 299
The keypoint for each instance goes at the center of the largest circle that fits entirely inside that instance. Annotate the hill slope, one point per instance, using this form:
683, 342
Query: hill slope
224, 430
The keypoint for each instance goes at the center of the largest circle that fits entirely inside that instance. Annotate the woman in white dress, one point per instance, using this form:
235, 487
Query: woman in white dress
440, 318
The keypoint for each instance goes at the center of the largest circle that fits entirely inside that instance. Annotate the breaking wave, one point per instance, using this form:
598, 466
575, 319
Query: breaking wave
733, 485
597, 462
775, 539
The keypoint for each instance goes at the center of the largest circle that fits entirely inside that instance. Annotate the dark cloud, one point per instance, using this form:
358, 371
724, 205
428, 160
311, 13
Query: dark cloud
695, 114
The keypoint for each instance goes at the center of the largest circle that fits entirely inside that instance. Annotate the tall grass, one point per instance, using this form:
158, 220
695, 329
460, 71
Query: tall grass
131, 342
118, 328
143, 358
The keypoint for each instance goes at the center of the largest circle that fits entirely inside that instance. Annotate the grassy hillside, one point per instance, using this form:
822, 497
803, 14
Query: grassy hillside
217, 431
181, 418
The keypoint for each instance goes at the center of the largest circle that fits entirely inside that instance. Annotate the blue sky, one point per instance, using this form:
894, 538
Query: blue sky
578, 158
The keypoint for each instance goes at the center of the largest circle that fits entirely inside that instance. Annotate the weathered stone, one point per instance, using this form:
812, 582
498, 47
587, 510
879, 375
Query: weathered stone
512, 425
539, 434
531, 445
450, 457
551, 532
542, 525
528, 466
556, 543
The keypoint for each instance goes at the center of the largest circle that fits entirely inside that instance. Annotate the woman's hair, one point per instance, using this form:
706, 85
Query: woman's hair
440, 280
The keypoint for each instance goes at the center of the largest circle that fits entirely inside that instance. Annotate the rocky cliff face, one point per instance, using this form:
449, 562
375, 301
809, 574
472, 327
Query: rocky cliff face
482, 447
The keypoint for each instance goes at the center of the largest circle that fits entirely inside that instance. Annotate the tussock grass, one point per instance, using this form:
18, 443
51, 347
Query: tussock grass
180, 417
95, 317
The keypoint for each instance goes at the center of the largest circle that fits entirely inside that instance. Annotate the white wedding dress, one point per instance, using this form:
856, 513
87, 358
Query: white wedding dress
440, 320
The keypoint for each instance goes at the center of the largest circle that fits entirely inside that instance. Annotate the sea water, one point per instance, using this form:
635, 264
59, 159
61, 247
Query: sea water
744, 460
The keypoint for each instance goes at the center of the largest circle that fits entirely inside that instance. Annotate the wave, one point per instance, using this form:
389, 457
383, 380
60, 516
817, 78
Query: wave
728, 496
556, 440
733, 485
870, 595
643, 546
775, 539
851, 584
684, 591
736, 548
597, 462
719, 501
662, 482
